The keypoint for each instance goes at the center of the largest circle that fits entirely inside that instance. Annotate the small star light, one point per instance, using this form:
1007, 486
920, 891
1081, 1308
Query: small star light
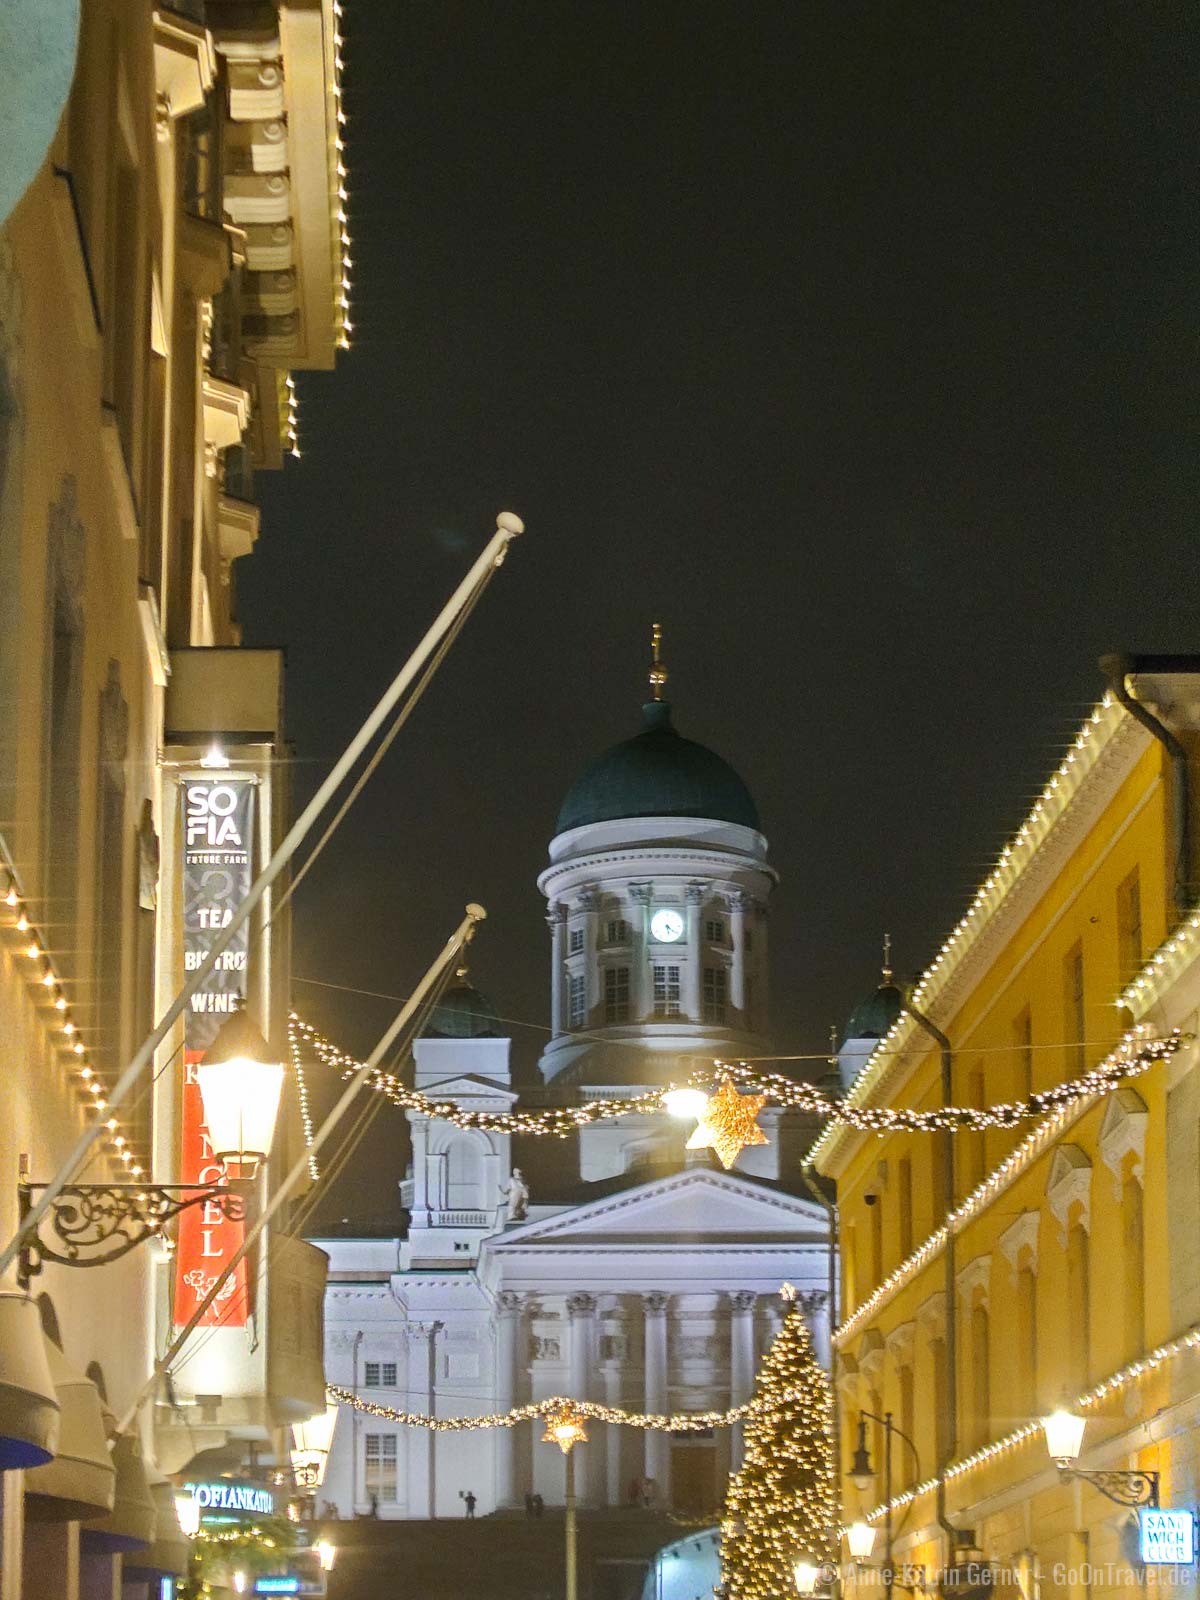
788, 1293
729, 1124
564, 1428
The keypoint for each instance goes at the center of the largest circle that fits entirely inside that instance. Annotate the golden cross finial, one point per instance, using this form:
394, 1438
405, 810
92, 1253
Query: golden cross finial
658, 673
887, 958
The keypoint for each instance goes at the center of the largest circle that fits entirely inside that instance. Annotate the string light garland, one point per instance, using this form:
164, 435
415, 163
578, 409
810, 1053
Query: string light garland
306, 1122
592, 1410
48, 986
781, 1506
1113, 1384
1010, 1168
1138, 1051
342, 263
1165, 963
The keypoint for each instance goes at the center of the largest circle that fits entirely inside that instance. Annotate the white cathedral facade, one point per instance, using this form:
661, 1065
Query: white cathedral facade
645, 1277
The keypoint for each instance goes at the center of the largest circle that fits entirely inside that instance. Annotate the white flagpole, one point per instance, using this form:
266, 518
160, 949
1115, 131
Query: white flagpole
508, 526
461, 937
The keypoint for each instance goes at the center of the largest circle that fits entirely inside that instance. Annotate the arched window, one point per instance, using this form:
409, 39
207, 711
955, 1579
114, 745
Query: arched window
1027, 1337
981, 1382
464, 1174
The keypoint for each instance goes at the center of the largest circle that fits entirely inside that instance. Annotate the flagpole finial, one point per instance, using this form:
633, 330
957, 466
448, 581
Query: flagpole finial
887, 959
658, 673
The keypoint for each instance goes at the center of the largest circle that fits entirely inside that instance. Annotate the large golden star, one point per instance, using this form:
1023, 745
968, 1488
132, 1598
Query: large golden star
729, 1124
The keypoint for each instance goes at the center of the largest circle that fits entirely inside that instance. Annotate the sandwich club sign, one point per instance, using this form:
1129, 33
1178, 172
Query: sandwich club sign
218, 862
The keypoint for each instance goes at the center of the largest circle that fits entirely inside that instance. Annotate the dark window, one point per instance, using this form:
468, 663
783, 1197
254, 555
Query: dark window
617, 932
716, 984
714, 930
1129, 926
575, 944
1074, 1028
616, 994
1023, 1051
576, 1000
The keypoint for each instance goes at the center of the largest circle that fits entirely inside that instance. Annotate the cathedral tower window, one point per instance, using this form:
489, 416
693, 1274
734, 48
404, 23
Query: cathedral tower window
616, 994
716, 994
575, 947
576, 1000
379, 1375
379, 1479
666, 991
714, 930
617, 932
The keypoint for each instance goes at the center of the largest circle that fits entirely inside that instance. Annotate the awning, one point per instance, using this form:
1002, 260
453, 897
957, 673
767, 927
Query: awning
29, 1417
130, 1525
168, 1556
80, 1482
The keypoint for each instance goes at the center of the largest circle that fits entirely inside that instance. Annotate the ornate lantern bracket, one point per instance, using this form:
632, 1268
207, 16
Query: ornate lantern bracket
92, 1224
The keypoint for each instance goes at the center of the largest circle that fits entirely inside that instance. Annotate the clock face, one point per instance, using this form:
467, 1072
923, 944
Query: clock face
666, 926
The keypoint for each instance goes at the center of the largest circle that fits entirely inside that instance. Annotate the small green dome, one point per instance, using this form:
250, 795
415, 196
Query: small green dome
463, 1013
872, 1017
657, 774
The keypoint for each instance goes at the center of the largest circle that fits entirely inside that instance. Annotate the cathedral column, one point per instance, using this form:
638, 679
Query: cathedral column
741, 1358
739, 904
556, 921
657, 1445
581, 1355
643, 978
590, 900
507, 1330
422, 1344
695, 962
614, 1489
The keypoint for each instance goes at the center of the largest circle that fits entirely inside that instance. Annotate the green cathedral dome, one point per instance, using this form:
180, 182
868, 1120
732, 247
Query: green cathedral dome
657, 773
463, 1013
873, 1016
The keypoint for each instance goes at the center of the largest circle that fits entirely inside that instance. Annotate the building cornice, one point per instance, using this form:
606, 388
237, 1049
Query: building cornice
1101, 756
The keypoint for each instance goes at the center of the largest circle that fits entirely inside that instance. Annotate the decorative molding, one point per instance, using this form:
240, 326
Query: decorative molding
811, 1301
581, 1304
847, 1378
1023, 1234
1123, 1132
973, 1279
870, 1356
743, 1301
509, 1302
931, 1314
641, 893
695, 892
901, 1342
655, 1303
1070, 1181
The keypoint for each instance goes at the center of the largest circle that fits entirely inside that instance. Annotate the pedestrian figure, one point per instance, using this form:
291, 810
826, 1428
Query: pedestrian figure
471, 1502
375, 1506
528, 1504
539, 1505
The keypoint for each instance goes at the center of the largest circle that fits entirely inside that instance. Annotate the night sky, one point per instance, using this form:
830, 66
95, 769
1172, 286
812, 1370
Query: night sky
855, 343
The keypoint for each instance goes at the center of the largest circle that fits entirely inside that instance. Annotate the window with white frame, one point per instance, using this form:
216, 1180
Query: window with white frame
379, 1374
379, 1474
616, 931
666, 991
716, 993
714, 930
616, 994
575, 944
576, 1000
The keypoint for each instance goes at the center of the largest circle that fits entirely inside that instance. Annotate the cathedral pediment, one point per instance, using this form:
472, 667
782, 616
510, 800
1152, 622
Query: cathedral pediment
469, 1086
696, 1204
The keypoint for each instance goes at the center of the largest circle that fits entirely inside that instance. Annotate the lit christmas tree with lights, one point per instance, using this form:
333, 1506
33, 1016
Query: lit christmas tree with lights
781, 1508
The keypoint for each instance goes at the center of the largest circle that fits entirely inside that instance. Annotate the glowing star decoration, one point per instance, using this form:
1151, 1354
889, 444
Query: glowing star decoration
729, 1124
565, 1429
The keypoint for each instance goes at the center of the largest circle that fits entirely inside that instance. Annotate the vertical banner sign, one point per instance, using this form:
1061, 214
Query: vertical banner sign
218, 835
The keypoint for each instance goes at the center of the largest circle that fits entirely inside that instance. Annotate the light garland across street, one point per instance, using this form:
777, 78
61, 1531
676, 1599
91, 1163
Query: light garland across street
1139, 1050
677, 1422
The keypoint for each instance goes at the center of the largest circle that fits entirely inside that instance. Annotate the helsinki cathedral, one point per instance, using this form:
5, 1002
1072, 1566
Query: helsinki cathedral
640, 1275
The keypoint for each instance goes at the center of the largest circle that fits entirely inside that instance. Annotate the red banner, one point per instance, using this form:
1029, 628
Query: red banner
218, 819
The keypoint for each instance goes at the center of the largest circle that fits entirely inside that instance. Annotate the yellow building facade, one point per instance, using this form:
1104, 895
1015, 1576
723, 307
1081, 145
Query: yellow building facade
1066, 1251
180, 252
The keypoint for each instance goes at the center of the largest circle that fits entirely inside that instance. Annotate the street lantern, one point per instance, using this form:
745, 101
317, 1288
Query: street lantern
860, 1536
326, 1554
807, 1575
685, 1103
240, 1085
1064, 1435
187, 1509
862, 1473
310, 1448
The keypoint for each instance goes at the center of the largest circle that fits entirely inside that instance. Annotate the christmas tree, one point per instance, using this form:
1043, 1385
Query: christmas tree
781, 1506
